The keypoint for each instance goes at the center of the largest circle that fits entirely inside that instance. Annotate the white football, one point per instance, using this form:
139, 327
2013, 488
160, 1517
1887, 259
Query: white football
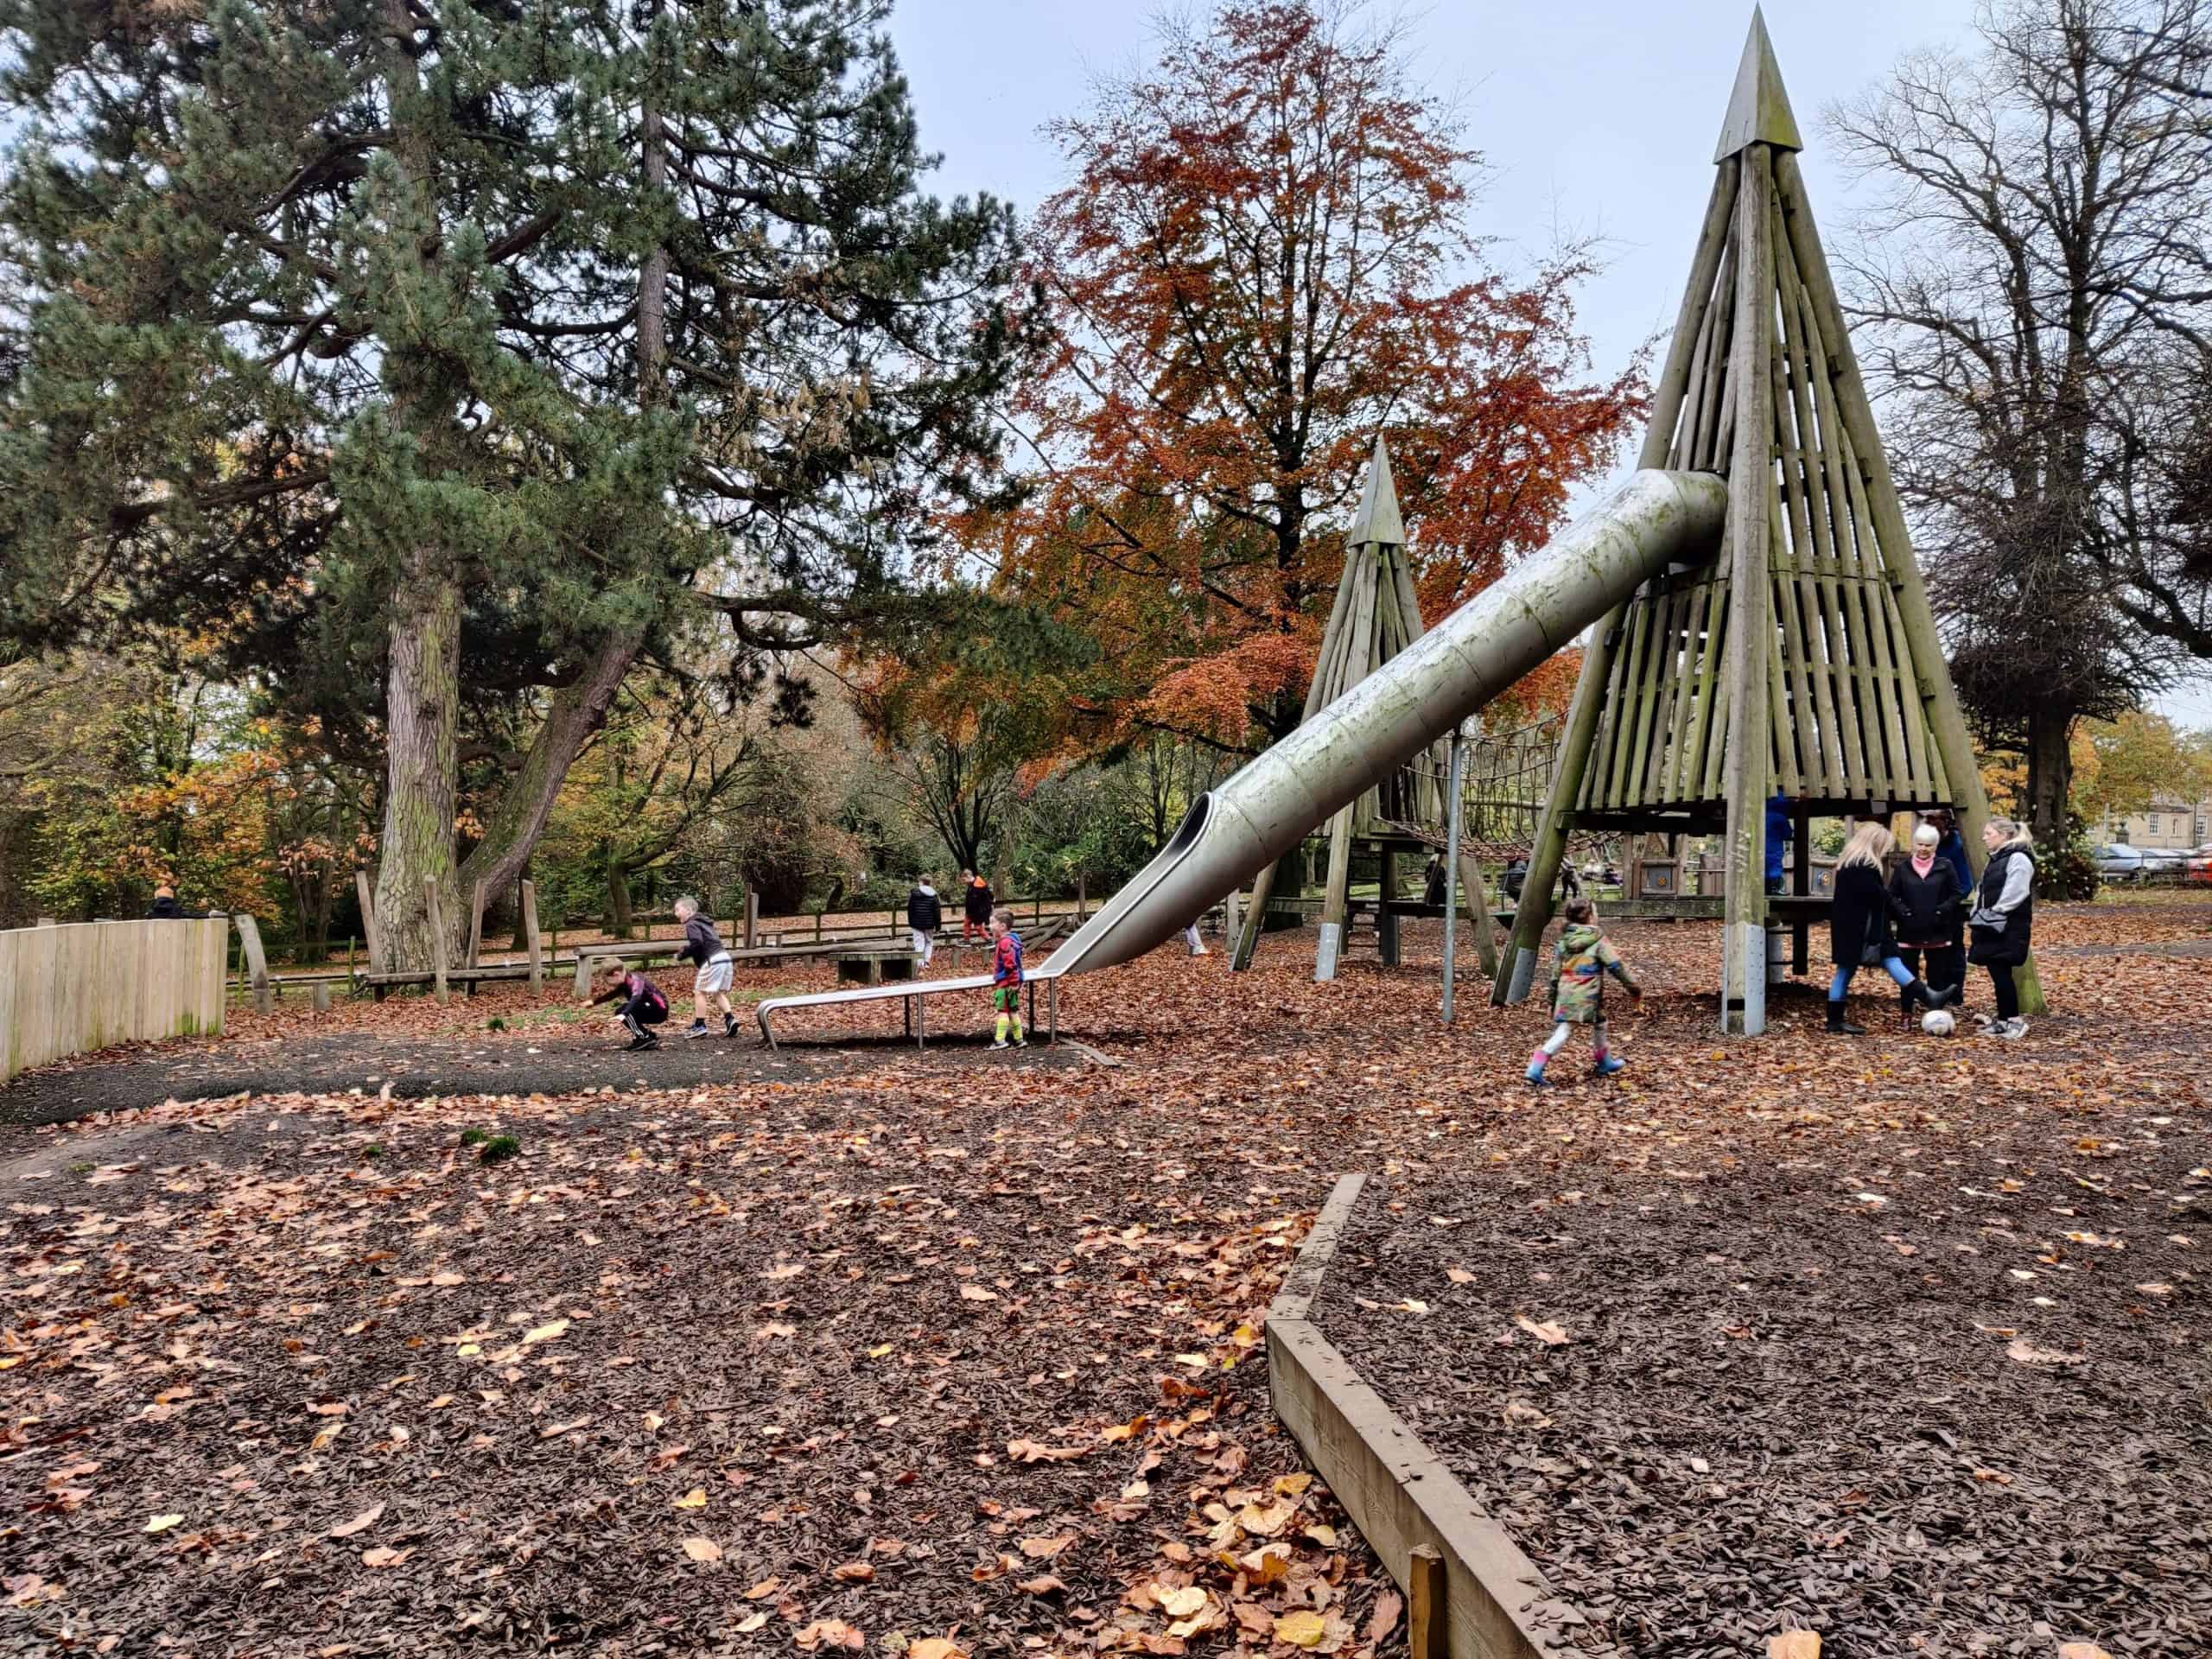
1938, 1022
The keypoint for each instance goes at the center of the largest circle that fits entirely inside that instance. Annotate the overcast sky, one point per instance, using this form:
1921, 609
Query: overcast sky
1595, 116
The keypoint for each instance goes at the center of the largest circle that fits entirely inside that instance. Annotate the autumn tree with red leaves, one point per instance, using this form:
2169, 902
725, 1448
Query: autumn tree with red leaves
1264, 258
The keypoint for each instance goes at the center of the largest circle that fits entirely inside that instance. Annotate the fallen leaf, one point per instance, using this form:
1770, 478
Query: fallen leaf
1410, 1306
1549, 1334
2152, 1290
1043, 1549
1793, 1644
361, 1523
2028, 1354
559, 1429
1033, 1451
1458, 1276
694, 1499
974, 1294
763, 1590
1183, 1602
785, 1271
834, 1633
544, 1332
751, 1622
1265, 1520
164, 1522
936, 1647
853, 1571
1384, 1618
1041, 1586
383, 1557
1303, 1628
702, 1549
2081, 1650
1519, 1412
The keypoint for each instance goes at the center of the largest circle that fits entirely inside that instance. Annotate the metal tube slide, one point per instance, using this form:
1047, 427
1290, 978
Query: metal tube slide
1656, 518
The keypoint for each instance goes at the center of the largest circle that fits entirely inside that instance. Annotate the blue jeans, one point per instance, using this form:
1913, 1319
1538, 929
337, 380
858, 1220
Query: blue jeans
1841, 983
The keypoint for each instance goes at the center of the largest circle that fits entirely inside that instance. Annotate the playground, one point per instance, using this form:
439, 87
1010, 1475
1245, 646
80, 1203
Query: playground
949, 1344
1453, 1191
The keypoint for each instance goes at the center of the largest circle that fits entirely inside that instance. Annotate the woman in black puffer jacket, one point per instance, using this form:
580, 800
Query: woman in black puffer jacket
1929, 904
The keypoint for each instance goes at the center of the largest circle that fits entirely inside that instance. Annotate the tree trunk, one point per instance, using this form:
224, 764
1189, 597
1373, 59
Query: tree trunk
617, 901
518, 820
422, 694
2051, 776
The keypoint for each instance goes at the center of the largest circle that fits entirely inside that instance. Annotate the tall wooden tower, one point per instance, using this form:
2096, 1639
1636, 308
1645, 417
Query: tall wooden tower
1804, 661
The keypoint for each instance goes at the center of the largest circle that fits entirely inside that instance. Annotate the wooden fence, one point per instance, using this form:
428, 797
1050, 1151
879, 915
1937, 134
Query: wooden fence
66, 990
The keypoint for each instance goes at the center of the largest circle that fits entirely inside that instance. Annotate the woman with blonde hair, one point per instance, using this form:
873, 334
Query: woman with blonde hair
1859, 928
2004, 914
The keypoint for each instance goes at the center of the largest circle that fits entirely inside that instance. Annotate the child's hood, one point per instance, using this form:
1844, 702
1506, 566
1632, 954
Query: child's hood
1579, 938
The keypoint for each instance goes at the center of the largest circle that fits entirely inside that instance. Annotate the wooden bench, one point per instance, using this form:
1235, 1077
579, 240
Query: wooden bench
875, 967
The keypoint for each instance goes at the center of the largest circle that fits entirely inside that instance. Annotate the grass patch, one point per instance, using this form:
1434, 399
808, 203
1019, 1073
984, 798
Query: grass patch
475, 1137
498, 1149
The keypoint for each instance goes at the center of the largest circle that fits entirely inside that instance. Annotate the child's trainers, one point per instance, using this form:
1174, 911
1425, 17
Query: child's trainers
1606, 1067
729, 1025
1001, 1043
1535, 1075
698, 1029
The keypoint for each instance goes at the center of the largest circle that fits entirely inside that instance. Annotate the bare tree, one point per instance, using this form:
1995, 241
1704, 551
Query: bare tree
2033, 278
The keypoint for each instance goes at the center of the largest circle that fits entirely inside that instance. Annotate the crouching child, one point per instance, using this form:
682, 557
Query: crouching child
1006, 978
643, 1004
1585, 957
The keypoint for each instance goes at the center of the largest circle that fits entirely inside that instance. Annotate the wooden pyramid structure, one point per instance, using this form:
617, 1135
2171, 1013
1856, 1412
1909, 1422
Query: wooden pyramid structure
1804, 661
1376, 615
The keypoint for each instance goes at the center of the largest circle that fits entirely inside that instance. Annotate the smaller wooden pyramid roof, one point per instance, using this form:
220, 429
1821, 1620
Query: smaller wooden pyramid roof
1375, 616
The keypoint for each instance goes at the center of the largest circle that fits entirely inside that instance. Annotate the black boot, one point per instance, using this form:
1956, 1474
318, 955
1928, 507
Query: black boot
1932, 997
1905, 1008
1841, 1027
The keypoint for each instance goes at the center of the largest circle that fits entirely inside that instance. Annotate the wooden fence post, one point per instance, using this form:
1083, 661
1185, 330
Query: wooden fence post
437, 918
369, 921
752, 920
476, 900
1427, 1632
254, 964
530, 934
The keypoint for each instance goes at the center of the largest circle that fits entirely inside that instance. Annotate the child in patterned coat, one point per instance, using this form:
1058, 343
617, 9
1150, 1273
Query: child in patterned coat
1585, 957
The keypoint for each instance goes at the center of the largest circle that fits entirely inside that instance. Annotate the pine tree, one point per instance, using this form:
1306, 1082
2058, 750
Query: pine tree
430, 353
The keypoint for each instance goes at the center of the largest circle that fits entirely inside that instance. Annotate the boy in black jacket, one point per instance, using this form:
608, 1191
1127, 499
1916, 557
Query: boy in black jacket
924, 915
703, 945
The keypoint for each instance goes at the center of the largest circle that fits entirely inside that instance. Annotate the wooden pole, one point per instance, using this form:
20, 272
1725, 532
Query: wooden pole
1931, 670
1386, 924
1336, 901
253, 963
753, 919
477, 897
369, 930
1518, 973
535, 945
1248, 940
437, 909
1428, 1627
1748, 767
1451, 866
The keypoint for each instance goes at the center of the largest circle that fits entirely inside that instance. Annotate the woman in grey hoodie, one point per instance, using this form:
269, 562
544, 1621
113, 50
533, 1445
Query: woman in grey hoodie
2003, 916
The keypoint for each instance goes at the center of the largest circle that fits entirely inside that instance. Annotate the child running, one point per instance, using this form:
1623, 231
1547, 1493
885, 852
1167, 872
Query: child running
643, 1004
1006, 977
1585, 957
703, 945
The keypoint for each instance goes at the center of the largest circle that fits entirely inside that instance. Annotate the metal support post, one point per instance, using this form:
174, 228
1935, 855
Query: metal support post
1451, 866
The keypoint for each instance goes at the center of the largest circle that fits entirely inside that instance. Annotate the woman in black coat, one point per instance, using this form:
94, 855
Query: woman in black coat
1859, 927
1927, 902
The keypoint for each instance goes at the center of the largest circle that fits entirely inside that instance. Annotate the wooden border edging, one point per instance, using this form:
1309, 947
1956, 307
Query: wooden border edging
1498, 1604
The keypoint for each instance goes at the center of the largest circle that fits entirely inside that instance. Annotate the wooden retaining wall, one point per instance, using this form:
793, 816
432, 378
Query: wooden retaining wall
68, 991
1470, 1593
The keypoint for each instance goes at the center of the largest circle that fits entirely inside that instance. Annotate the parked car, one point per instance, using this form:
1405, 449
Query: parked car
2199, 871
2164, 863
2117, 863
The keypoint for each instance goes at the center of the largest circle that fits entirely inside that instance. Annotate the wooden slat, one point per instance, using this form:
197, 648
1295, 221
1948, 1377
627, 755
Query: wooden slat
1712, 685
1793, 553
1659, 662
1621, 771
